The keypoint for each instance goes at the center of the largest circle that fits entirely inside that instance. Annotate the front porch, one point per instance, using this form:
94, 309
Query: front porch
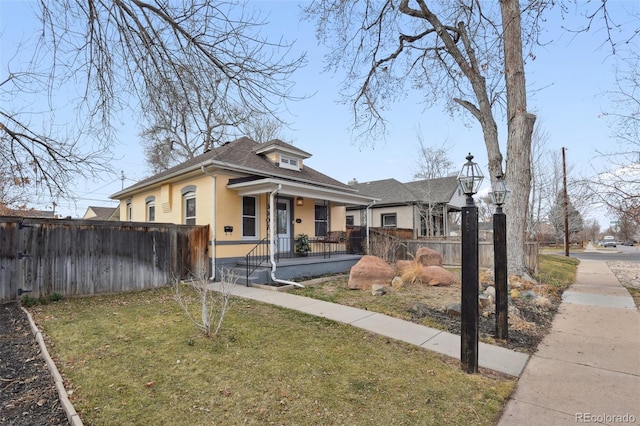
336, 252
295, 268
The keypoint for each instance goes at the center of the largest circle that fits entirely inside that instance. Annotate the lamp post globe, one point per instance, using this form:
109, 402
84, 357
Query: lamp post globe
499, 192
470, 178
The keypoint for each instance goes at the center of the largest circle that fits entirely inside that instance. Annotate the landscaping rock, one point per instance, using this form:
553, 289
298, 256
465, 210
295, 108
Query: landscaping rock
397, 282
490, 291
368, 271
483, 301
378, 290
437, 275
428, 257
419, 310
454, 310
403, 265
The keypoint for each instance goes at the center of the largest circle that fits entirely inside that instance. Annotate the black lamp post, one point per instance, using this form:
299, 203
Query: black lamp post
469, 179
499, 197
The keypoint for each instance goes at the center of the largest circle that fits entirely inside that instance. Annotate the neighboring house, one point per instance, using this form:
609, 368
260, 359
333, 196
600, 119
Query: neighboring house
48, 214
250, 194
423, 206
102, 213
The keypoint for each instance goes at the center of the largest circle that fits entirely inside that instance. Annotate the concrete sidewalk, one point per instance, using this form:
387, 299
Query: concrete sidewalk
495, 358
587, 369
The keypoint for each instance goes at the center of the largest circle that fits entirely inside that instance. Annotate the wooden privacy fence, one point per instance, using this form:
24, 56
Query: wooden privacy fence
79, 257
451, 252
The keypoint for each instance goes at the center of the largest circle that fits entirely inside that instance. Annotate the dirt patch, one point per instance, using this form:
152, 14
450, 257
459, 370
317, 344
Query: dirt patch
28, 395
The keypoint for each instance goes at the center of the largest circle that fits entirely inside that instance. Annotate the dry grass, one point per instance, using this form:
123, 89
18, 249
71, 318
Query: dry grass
635, 294
395, 303
137, 359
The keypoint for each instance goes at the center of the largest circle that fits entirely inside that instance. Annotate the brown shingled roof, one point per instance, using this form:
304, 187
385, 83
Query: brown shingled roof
239, 155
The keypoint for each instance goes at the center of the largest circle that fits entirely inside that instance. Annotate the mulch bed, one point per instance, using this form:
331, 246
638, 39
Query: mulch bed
28, 395
520, 339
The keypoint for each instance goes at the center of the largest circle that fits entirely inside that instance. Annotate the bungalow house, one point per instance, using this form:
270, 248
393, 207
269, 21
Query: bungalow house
257, 200
423, 206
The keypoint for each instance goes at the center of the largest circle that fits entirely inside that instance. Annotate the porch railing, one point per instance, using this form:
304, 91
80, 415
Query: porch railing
257, 256
331, 245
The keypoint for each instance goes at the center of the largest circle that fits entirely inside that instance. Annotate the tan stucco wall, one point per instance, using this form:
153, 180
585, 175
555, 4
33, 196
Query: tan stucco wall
169, 208
169, 203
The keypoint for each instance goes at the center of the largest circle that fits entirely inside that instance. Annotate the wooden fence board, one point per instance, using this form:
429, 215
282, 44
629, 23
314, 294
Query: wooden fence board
451, 252
77, 257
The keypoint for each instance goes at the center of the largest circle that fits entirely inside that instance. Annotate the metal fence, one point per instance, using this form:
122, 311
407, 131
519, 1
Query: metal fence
79, 257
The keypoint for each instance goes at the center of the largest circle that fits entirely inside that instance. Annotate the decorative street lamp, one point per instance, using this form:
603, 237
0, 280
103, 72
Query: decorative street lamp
469, 179
499, 197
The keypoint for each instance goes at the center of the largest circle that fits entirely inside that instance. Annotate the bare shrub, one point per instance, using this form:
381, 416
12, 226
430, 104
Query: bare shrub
384, 246
213, 302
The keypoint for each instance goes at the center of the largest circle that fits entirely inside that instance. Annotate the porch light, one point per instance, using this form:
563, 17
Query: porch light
299, 201
500, 192
470, 178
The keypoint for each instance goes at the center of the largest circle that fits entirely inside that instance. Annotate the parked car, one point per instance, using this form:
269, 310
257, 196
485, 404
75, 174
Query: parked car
628, 243
609, 241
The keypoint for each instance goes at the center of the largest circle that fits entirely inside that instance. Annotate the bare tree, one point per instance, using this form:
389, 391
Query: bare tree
116, 54
183, 125
432, 162
617, 184
459, 50
544, 174
557, 217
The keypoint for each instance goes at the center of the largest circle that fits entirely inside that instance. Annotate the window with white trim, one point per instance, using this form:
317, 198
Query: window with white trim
189, 208
151, 211
289, 162
389, 220
249, 217
350, 220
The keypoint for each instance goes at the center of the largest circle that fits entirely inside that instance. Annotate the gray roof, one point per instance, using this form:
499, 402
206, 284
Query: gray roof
439, 190
391, 191
240, 155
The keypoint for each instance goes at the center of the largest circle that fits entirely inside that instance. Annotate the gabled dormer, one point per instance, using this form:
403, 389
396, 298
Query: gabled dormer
282, 154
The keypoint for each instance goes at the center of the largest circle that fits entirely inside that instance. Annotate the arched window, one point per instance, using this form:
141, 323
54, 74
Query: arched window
150, 203
189, 204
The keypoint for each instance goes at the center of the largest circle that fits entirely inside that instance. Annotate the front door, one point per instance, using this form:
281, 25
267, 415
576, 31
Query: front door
283, 225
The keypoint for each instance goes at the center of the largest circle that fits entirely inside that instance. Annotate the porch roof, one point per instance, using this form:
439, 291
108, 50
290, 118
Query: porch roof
297, 189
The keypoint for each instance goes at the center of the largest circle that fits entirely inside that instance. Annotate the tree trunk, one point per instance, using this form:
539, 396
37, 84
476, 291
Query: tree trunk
520, 128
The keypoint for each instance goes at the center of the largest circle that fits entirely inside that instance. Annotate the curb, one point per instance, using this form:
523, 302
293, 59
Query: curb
67, 406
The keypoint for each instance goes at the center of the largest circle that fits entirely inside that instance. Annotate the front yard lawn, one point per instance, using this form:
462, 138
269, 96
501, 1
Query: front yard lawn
136, 359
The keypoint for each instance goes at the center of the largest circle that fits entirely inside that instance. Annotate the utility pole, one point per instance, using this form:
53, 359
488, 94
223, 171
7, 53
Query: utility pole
566, 203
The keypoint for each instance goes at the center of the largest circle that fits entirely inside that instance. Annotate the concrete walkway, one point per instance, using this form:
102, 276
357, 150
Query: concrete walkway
495, 358
587, 369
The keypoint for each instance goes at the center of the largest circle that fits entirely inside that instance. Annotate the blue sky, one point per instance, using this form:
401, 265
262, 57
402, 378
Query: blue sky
567, 82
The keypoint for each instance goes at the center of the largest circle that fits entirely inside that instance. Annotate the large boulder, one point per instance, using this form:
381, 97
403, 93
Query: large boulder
368, 271
428, 257
414, 272
403, 265
437, 276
